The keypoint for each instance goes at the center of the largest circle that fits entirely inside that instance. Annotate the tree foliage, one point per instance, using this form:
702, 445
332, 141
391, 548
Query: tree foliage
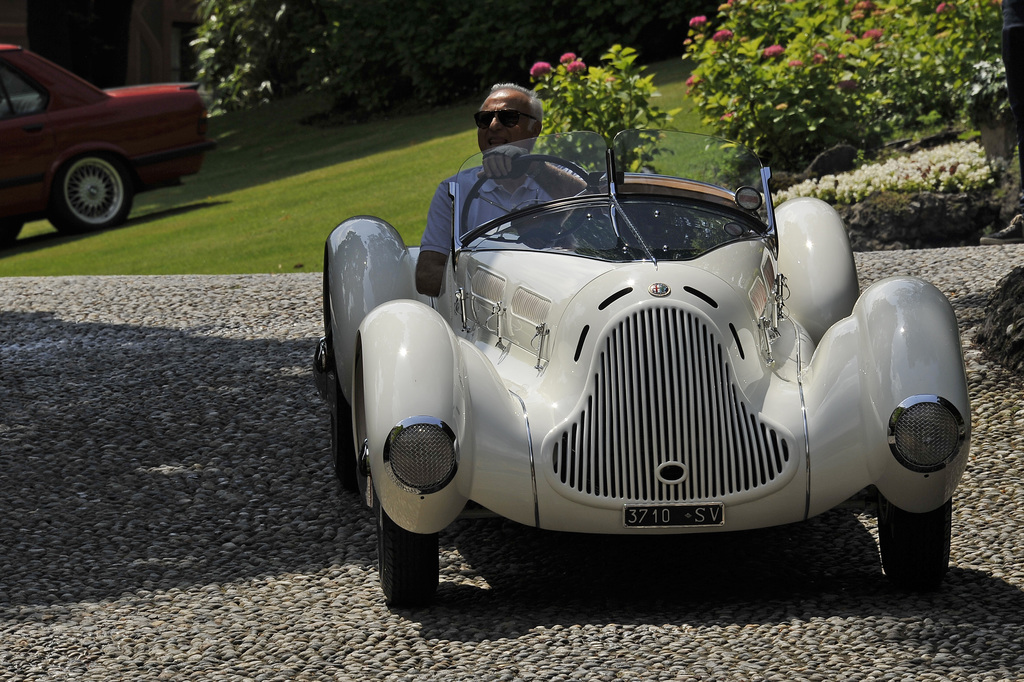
374, 55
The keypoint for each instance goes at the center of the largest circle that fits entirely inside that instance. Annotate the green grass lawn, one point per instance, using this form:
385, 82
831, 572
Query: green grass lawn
270, 193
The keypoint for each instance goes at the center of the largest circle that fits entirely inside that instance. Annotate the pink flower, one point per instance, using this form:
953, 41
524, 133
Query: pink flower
847, 85
795, 63
691, 81
722, 36
773, 51
567, 57
698, 21
873, 34
726, 117
576, 66
819, 58
540, 69
943, 6
865, 5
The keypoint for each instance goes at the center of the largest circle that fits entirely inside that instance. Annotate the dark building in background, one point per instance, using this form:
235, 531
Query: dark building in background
108, 42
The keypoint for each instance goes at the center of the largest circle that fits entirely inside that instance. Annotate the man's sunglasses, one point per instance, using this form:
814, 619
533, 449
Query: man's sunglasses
507, 117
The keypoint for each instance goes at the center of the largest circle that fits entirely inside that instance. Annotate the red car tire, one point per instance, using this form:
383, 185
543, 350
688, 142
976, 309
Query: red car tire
91, 193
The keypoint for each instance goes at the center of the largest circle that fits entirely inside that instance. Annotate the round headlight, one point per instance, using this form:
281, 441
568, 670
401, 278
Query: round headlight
421, 454
926, 432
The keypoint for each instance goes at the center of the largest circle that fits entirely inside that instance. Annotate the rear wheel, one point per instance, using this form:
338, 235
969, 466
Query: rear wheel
407, 562
343, 449
91, 193
914, 547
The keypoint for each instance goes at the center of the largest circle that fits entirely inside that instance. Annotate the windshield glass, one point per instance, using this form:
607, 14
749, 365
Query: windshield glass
709, 160
517, 176
674, 196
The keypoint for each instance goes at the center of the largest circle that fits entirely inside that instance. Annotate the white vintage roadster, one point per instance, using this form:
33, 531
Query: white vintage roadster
656, 350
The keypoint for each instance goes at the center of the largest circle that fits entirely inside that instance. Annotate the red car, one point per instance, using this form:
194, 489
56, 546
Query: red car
77, 155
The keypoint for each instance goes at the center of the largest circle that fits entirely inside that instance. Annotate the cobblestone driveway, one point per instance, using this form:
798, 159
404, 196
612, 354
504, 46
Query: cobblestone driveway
168, 512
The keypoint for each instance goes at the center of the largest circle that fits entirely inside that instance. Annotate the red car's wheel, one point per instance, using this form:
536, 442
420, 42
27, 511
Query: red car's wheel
91, 193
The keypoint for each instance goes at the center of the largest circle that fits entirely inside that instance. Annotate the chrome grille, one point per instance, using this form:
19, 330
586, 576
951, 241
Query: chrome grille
664, 392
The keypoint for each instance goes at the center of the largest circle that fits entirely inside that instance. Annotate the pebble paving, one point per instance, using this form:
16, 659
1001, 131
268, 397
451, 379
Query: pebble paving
168, 511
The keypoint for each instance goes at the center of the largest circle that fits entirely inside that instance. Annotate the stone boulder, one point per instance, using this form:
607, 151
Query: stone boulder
893, 221
1002, 334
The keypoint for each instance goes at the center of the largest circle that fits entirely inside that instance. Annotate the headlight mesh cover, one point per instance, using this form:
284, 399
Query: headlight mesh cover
421, 454
925, 432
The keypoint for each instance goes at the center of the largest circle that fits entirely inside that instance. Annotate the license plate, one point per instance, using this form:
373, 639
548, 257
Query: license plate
673, 515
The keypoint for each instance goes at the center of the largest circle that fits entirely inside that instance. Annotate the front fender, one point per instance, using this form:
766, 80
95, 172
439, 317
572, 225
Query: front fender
901, 341
409, 366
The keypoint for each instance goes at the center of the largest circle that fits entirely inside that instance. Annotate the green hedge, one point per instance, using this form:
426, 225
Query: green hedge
372, 56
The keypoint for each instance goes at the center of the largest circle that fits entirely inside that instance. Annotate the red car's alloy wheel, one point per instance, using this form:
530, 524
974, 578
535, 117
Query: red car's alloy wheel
92, 193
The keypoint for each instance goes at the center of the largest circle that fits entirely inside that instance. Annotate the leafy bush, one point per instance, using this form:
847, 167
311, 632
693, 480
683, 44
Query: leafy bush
986, 100
791, 78
605, 99
959, 167
251, 51
373, 56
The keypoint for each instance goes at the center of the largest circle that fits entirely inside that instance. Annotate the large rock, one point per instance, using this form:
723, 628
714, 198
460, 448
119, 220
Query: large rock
1002, 334
890, 220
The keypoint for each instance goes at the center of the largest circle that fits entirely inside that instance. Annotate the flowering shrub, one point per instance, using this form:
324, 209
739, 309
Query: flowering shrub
605, 99
959, 167
790, 78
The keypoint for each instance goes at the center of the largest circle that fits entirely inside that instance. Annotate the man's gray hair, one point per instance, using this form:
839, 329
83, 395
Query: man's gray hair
535, 102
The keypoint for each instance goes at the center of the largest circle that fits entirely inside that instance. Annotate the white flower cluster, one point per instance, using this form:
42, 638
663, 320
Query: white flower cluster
951, 168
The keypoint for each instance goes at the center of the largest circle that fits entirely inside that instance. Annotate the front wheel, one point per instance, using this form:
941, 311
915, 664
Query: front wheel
91, 193
407, 563
914, 547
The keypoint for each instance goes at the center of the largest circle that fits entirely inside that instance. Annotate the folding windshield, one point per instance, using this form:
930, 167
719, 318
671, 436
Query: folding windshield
514, 177
672, 196
708, 160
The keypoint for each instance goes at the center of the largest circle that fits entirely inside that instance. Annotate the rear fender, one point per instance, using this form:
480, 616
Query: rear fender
815, 257
901, 341
366, 263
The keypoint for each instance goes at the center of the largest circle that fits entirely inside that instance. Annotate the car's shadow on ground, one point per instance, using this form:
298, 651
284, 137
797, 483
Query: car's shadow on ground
503, 574
147, 458
49, 239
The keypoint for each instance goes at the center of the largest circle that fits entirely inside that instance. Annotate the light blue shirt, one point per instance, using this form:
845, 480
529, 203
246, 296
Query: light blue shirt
493, 201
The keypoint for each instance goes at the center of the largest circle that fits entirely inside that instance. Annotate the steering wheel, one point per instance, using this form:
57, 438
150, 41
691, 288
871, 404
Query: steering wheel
519, 167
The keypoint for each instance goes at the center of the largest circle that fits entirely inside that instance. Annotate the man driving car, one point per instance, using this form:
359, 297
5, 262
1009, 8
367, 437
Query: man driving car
510, 114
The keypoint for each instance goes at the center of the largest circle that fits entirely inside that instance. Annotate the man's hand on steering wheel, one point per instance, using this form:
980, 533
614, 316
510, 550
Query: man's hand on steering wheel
498, 161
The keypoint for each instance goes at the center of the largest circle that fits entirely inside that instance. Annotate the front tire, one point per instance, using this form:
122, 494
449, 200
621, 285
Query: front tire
914, 547
407, 563
91, 193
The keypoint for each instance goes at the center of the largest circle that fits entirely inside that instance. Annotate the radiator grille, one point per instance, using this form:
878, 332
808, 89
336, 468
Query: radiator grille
664, 392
